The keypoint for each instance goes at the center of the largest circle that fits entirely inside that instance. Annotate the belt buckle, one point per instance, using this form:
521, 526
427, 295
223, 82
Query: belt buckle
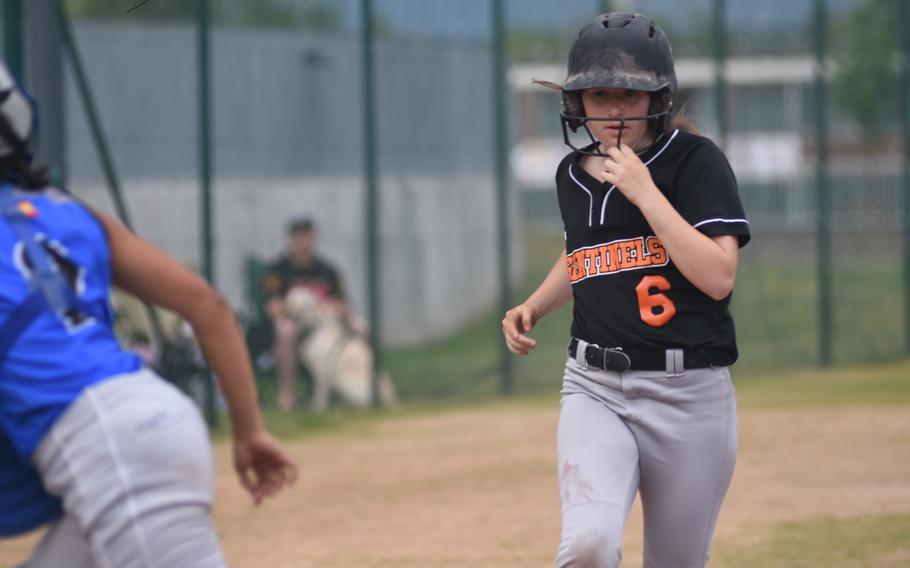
592, 358
620, 361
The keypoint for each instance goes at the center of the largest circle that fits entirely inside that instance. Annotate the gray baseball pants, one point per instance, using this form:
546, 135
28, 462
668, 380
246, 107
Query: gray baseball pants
670, 435
132, 462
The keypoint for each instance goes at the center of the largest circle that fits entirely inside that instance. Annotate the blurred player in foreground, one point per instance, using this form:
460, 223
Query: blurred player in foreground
116, 459
653, 224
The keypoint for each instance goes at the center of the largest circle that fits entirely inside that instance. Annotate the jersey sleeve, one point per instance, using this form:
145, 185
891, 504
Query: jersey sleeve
708, 196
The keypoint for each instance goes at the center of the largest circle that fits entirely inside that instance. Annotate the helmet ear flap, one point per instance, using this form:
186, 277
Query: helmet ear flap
572, 107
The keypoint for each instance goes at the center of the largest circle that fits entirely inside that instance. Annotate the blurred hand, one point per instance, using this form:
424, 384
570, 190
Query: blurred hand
262, 465
517, 322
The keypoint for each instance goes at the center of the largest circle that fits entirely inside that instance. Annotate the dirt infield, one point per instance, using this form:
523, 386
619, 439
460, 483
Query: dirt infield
477, 487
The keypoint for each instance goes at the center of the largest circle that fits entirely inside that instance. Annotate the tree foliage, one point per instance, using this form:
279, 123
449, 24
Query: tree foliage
866, 46
123, 9
319, 14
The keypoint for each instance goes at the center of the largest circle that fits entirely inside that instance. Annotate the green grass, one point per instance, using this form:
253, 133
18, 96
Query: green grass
860, 385
467, 364
359, 422
885, 383
874, 541
289, 425
774, 307
776, 316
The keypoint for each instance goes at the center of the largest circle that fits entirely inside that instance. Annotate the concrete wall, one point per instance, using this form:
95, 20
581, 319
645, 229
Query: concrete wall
287, 124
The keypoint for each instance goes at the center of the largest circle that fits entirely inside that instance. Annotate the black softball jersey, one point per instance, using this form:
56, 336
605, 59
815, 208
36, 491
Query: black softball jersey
627, 291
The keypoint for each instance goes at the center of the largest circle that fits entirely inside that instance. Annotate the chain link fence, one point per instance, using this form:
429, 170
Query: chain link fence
287, 116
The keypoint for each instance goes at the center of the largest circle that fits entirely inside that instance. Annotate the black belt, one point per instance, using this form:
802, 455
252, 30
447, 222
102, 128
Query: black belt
619, 360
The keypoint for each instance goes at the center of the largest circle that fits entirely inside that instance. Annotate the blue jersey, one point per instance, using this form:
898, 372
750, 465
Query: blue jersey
58, 355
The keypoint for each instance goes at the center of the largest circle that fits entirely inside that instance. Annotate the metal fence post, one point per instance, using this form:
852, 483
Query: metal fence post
205, 155
92, 116
823, 205
905, 164
68, 43
371, 203
205, 170
13, 22
719, 41
501, 165
45, 62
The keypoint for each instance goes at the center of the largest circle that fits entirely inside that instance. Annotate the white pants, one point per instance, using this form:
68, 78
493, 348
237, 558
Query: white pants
132, 462
670, 436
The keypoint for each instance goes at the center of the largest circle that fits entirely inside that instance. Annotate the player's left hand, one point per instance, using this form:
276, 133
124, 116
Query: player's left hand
263, 466
623, 168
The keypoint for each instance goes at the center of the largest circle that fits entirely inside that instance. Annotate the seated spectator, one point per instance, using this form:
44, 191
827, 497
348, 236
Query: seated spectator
298, 266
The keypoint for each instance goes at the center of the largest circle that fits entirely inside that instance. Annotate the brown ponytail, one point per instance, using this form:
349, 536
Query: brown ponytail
16, 170
683, 121
16, 166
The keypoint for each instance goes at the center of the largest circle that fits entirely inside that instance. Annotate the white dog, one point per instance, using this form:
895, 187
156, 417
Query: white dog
339, 360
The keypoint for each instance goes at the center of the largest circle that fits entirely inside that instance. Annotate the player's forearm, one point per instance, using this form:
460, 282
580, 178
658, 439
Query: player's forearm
554, 291
702, 260
219, 338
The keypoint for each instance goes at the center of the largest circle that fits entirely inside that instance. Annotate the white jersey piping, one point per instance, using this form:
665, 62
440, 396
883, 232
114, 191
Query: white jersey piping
603, 208
590, 197
719, 220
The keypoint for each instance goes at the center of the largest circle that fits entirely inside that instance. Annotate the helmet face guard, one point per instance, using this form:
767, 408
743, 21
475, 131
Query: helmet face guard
593, 148
618, 51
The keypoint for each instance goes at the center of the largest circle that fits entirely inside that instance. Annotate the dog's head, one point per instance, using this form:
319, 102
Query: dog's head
305, 304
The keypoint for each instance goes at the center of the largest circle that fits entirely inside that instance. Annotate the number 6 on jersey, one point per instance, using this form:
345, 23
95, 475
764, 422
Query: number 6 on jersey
655, 309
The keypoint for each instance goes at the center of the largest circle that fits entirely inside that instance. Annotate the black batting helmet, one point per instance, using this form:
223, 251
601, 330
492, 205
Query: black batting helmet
620, 50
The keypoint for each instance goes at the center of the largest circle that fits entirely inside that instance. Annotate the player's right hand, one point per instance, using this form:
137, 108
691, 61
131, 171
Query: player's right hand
517, 322
263, 466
